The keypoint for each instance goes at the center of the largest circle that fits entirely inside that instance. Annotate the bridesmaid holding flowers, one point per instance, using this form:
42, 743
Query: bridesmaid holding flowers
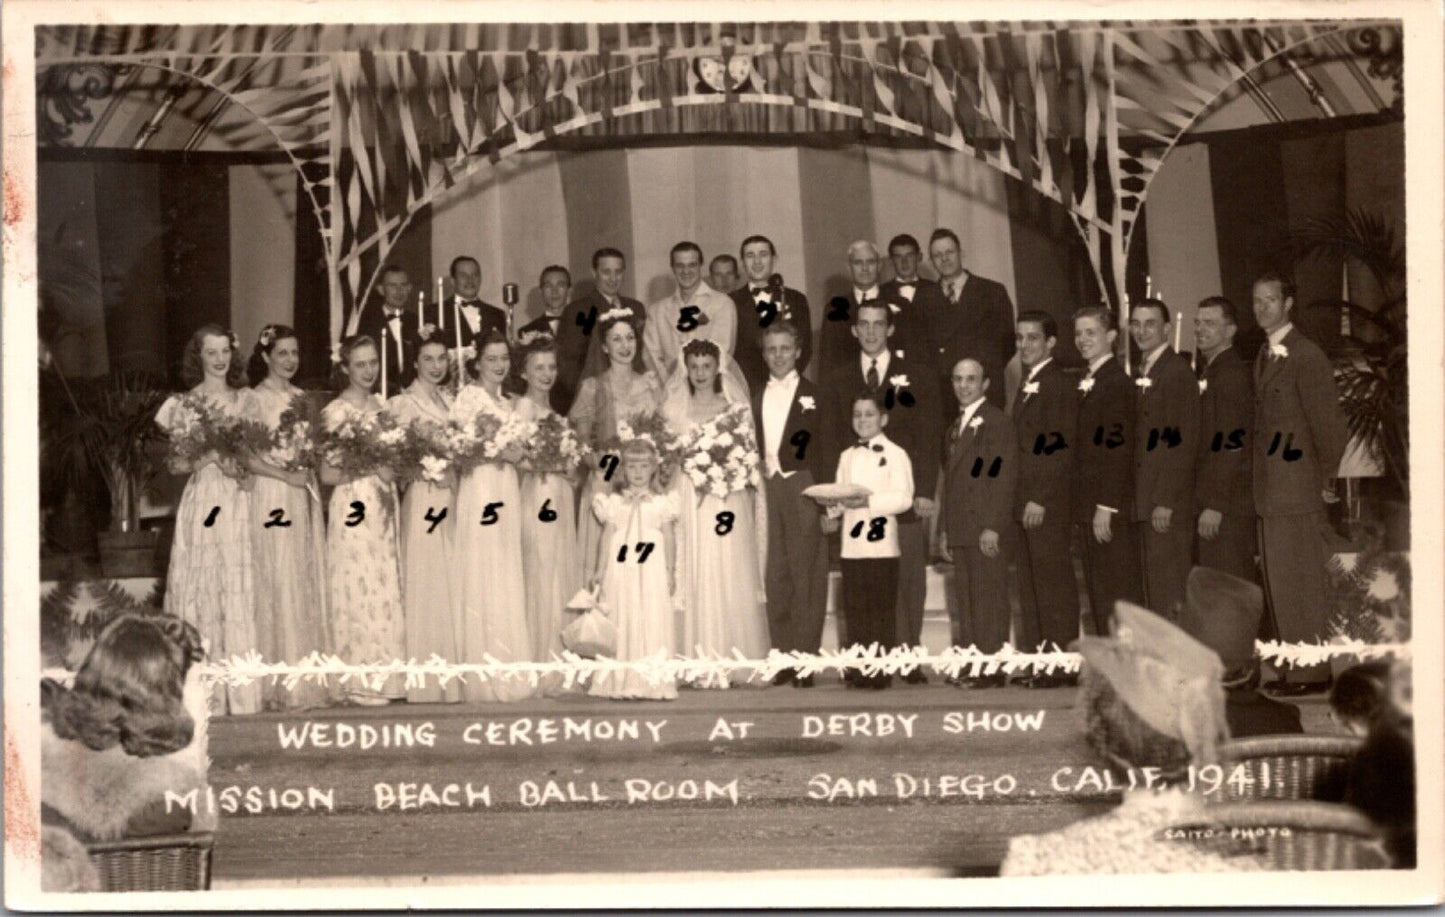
209, 583
549, 518
288, 533
487, 444
428, 520
363, 570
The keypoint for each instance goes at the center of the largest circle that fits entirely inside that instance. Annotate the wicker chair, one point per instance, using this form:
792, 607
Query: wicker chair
1284, 766
1296, 835
165, 862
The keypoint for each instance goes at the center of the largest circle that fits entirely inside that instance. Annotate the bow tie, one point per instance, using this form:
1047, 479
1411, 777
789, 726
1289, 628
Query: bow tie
864, 444
471, 303
393, 316
761, 293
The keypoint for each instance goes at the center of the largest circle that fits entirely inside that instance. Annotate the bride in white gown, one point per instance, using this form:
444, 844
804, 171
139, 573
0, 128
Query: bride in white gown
720, 546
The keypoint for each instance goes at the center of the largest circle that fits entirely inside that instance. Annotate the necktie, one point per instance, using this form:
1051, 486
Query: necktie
952, 288
872, 377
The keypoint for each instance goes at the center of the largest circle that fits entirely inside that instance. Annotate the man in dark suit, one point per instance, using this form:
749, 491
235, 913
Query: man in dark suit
555, 284
1223, 489
914, 425
478, 318
965, 316
788, 414
1222, 612
392, 324
577, 353
980, 475
834, 345
1166, 432
1044, 414
1299, 436
722, 274
906, 255
759, 304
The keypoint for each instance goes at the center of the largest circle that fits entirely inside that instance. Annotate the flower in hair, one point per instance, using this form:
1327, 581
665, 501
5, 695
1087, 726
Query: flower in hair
268, 336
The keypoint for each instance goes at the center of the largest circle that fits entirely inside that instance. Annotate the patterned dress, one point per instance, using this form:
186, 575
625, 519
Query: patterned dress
432, 606
363, 572
290, 566
210, 582
489, 562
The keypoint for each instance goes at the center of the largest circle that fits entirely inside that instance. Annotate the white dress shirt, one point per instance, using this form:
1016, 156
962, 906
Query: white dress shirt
1035, 370
777, 404
860, 295
1277, 336
883, 359
888, 475
968, 411
1094, 368
1151, 358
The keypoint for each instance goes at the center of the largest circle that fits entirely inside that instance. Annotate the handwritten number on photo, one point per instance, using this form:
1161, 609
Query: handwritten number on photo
687, 320
1049, 443
877, 528
642, 550
434, 518
609, 463
358, 510
725, 520
211, 516
1234, 443
1169, 436
799, 441
1289, 454
905, 398
586, 322
837, 309
489, 514
1114, 440
278, 520
993, 469
548, 514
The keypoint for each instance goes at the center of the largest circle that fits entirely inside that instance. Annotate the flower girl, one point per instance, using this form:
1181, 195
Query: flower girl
637, 572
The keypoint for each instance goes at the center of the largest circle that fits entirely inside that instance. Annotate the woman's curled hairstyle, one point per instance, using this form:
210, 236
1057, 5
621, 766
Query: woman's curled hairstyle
702, 347
192, 372
129, 689
266, 341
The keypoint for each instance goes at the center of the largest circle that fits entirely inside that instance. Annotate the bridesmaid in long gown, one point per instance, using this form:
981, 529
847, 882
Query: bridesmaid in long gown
432, 612
623, 390
722, 580
363, 572
210, 580
489, 541
289, 549
549, 521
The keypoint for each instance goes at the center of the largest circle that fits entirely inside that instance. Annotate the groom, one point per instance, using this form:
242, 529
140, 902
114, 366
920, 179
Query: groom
787, 413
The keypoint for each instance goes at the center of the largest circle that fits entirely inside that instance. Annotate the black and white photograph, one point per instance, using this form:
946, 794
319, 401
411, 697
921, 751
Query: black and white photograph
605, 455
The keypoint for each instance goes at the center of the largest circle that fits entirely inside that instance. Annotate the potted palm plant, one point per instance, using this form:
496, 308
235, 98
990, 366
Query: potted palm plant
106, 429
1370, 353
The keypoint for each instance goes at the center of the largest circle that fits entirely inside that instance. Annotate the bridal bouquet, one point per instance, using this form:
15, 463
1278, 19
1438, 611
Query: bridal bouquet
554, 447
425, 452
199, 427
720, 457
484, 438
292, 445
360, 444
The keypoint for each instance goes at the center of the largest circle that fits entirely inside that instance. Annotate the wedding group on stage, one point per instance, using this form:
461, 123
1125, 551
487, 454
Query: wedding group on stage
669, 468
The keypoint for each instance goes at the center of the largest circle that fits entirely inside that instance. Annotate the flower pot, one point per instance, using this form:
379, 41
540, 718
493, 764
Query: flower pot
128, 555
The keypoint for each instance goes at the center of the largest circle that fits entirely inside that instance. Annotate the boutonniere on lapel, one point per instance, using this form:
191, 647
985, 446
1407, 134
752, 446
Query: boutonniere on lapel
426, 331
898, 354
898, 381
1031, 388
1143, 382
894, 308
906, 290
1278, 351
806, 402
1086, 384
975, 423
1203, 386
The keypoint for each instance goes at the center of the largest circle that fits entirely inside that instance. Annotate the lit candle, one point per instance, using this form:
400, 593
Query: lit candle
384, 334
441, 313
1178, 329
457, 322
420, 308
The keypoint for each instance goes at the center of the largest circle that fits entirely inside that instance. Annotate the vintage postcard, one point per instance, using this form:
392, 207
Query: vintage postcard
478, 455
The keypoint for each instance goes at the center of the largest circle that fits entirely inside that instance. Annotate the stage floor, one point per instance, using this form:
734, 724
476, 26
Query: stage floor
950, 791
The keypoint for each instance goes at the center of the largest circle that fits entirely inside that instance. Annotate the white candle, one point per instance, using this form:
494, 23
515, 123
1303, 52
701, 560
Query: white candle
441, 313
1178, 329
420, 308
457, 322
383, 361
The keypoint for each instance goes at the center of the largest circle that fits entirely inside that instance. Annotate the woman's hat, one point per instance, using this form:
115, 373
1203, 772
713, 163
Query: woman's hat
1222, 612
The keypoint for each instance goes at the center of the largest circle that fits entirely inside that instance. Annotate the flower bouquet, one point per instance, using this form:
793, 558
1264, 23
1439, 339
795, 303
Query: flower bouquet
484, 438
554, 447
360, 445
425, 452
199, 427
651, 426
721, 456
292, 445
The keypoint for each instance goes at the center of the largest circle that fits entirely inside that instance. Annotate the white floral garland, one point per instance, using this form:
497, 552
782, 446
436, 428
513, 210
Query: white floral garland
245, 669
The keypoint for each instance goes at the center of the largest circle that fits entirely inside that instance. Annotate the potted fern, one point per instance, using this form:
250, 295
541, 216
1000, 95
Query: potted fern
1370, 353
106, 429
